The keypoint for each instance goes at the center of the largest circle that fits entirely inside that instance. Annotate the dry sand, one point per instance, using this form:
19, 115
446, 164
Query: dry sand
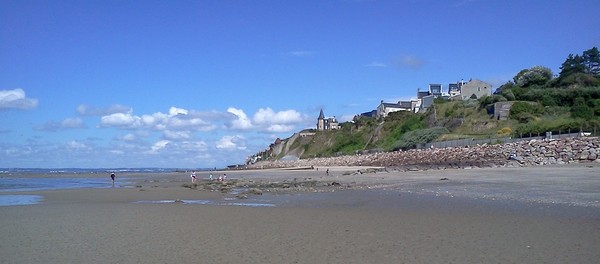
521, 215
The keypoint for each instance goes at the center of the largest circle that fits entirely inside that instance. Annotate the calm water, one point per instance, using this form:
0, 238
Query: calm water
36, 179
28, 180
17, 199
12, 184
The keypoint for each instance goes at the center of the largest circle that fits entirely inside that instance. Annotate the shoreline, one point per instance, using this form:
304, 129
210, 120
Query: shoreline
569, 184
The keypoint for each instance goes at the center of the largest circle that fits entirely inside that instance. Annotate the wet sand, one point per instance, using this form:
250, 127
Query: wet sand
523, 215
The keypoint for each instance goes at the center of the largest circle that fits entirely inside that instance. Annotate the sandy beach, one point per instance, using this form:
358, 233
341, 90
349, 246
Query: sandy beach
492, 215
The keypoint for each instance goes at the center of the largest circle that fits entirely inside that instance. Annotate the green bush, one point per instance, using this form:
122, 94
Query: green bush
555, 111
509, 95
557, 126
399, 116
347, 143
525, 111
581, 110
557, 96
579, 79
595, 105
484, 101
548, 100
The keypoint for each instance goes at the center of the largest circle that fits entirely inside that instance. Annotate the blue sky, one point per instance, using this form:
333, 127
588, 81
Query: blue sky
197, 84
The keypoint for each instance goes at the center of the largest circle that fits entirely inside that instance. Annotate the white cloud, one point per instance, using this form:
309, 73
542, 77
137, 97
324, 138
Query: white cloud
268, 116
129, 137
170, 137
177, 135
126, 120
159, 145
16, 99
73, 123
279, 128
173, 111
193, 146
231, 143
76, 145
242, 121
179, 123
86, 110
69, 123
176, 119
188, 122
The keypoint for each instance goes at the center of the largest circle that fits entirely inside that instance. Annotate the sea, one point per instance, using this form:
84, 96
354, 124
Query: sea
14, 183
16, 180
92, 170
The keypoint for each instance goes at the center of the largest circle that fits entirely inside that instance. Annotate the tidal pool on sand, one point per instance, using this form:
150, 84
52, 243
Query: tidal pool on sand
18, 199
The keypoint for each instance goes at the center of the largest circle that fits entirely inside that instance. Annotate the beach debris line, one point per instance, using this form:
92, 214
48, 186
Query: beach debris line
244, 188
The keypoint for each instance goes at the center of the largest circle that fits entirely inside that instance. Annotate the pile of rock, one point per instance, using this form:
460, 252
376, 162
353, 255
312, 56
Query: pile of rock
523, 153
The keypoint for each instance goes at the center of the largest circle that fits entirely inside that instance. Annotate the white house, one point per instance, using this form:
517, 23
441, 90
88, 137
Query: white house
386, 108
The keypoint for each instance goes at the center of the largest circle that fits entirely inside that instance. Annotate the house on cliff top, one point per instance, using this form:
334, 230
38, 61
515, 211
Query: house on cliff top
329, 123
475, 88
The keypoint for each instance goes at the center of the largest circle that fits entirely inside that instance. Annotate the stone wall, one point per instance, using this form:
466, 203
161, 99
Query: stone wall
523, 153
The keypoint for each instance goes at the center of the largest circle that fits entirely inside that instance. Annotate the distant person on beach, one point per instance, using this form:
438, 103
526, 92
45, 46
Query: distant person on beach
327, 172
193, 176
210, 177
112, 177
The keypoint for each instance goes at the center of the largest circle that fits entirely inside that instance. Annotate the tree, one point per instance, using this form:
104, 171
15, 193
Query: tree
581, 70
572, 65
536, 75
505, 87
591, 61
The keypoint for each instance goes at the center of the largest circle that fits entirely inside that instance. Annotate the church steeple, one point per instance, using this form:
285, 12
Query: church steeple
321, 121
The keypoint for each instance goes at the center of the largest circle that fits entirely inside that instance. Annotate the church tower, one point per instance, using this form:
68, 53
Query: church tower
321, 121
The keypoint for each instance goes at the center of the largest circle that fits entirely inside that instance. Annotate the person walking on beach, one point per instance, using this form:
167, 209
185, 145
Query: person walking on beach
327, 172
112, 177
193, 176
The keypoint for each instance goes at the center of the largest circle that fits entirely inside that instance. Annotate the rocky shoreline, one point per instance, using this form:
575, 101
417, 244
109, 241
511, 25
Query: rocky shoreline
511, 155
519, 154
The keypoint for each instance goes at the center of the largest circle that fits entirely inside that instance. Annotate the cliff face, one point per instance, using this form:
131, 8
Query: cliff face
285, 149
463, 120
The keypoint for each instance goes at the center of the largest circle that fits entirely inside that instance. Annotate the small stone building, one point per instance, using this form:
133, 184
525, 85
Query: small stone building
502, 110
